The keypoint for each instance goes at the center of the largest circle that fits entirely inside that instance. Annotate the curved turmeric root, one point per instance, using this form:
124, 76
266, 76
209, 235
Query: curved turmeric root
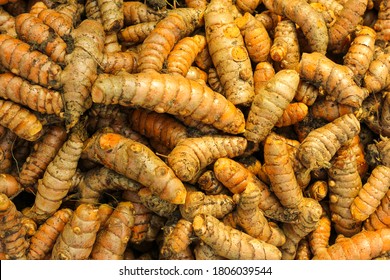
191, 155
20, 121
135, 161
184, 98
232, 243
365, 245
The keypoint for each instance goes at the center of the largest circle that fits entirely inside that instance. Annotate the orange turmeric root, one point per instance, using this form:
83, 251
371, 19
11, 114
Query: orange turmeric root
137, 162
364, 245
12, 232
43, 240
17, 57
184, 98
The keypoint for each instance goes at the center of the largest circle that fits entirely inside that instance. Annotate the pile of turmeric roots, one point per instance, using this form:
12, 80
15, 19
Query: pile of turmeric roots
201, 130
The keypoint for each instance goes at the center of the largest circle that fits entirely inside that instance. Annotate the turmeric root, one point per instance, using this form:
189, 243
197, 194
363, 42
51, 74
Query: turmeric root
319, 237
269, 104
40, 36
191, 155
310, 212
96, 181
381, 25
44, 151
175, 26
321, 144
81, 70
370, 195
263, 72
76, 240
35, 97
361, 52
344, 185
17, 57
345, 24
112, 239
377, 76
135, 161
230, 243
280, 171
364, 245
7, 141
252, 220
9, 185
57, 179
162, 127
183, 54
315, 29
7, 23
12, 232
285, 47
137, 12
43, 240
198, 203
184, 98
228, 53
317, 190
294, 113
210, 184
329, 110
136, 34
115, 62
256, 38
236, 177
178, 239
157, 205
111, 15
61, 24
380, 218
20, 120
247, 6
336, 79
142, 218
